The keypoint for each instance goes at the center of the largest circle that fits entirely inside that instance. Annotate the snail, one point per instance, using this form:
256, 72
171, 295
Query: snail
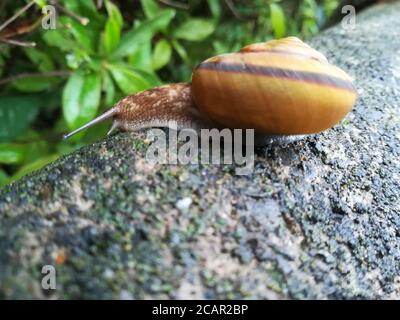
280, 88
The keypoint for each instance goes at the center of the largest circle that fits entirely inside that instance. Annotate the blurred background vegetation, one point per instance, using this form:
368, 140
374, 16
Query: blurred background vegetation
53, 81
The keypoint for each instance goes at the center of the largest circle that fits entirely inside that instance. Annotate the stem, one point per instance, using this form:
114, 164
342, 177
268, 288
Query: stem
232, 7
15, 16
175, 4
20, 29
27, 75
18, 43
82, 20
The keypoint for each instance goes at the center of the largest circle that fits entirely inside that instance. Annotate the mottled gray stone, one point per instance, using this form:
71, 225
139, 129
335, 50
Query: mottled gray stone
318, 218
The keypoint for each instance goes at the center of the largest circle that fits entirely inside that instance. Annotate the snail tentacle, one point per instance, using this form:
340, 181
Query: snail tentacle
106, 115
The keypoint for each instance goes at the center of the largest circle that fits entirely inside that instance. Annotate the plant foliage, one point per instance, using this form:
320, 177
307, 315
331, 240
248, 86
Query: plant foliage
101, 51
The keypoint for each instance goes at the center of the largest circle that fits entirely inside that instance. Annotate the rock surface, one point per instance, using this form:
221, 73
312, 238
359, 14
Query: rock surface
318, 218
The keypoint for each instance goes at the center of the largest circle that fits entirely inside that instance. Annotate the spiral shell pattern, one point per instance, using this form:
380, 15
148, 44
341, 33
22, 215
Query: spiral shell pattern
278, 87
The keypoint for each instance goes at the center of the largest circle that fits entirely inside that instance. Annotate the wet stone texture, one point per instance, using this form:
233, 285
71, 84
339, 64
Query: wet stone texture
317, 219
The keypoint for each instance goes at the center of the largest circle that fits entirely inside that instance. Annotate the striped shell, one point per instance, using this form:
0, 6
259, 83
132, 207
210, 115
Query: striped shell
278, 87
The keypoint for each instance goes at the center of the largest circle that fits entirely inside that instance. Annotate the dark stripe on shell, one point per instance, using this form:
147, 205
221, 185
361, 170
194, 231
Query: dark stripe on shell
312, 77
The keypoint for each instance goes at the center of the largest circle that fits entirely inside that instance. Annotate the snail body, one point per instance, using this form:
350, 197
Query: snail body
279, 88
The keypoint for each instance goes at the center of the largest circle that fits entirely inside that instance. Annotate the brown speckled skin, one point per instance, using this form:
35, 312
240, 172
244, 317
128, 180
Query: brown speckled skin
159, 107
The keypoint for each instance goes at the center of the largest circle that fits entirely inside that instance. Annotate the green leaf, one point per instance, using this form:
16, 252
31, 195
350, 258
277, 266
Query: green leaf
277, 20
329, 7
3, 178
16, 114
33, 84
36, 165
85, 8
71, 98
111, 36
83, 35
114, 13
145, 31
151, 77
12, 153
220, 47
81, 98
40, 59
215, 8
195, 29
181, 51
41, 3
309, 9
129, 80
112, 31
58, 38
309, 27
150, 8
36, 148
142, 57
162, 54
109, 89
90, 97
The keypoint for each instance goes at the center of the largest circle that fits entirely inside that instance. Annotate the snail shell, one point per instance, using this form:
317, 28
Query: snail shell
281, 87
278, 87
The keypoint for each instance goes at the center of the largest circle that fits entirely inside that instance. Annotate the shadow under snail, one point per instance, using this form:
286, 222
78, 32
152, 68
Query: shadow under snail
281, 88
